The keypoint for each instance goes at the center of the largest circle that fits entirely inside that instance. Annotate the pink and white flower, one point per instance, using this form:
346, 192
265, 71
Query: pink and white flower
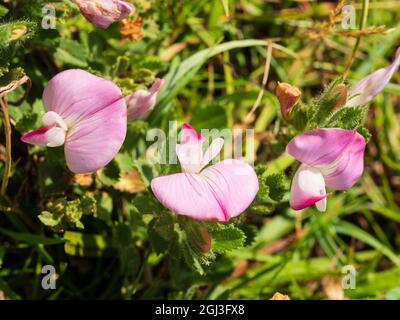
332, 158
102, 13
86, 114
369, 87
143, 101
218, 192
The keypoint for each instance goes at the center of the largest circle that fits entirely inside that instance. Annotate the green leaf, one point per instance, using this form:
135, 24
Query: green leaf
276, 186
15, 32
62, 214
227, 238
49, 219
351, 230
31, 238
8, 291
2, 254
3, 11
72, 53
322, 107
88, 245
348, 118
182, 72
210, 117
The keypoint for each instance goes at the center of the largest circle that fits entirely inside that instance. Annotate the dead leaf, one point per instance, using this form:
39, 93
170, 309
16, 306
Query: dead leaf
130, 182
83, 179
132, 29
12, 86
333, 288
280, 296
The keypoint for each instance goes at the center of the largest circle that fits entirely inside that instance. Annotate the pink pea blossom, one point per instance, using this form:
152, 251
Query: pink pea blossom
217, 192
368, 88
102, 13
332, 158
87, 115
143, 101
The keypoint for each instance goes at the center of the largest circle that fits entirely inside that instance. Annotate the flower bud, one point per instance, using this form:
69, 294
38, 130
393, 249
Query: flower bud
340, 92
288, 96
102, 13
143, 101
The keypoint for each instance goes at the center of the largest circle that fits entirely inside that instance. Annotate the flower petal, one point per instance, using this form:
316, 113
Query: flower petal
190, 155
345, 171
189, 134
213, 150
94, 141
102, 13
143, 101
76, 94
367, 88
308, 188
190, 150
50, 136
51, 118
220, 192
321, 146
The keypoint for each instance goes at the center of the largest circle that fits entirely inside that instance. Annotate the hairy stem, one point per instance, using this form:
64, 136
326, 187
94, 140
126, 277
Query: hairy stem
7, 133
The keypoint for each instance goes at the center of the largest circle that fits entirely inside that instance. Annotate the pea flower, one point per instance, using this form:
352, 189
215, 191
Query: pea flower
86, 114
143, 101
332, 158
368, 88
218, 192
102, 13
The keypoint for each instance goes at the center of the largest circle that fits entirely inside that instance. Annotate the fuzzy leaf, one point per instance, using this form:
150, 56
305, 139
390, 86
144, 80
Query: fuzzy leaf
227, 238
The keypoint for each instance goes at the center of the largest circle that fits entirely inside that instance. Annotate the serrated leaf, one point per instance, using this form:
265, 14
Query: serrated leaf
63, 214
276, 186
227, 238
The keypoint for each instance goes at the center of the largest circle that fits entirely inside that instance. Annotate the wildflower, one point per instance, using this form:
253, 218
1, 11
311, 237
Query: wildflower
218, 192
143, 101
87, 115
332, 158
368, 88
102, 13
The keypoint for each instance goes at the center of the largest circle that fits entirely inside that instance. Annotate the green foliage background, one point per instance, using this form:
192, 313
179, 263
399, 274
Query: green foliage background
113, 242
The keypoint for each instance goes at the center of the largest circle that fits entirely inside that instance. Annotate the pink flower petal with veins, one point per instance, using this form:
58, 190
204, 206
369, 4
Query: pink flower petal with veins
308, 188
367, 88
332, 154
92, 114
49, 136
102, 13
220, 192
142, 101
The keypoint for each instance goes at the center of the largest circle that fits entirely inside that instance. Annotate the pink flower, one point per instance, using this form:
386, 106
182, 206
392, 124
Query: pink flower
102, 13
218, 192
143, 101
87, 115
332, 158
367, 88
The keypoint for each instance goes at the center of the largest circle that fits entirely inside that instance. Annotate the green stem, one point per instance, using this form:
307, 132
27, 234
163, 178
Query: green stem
7, 133
362, 26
